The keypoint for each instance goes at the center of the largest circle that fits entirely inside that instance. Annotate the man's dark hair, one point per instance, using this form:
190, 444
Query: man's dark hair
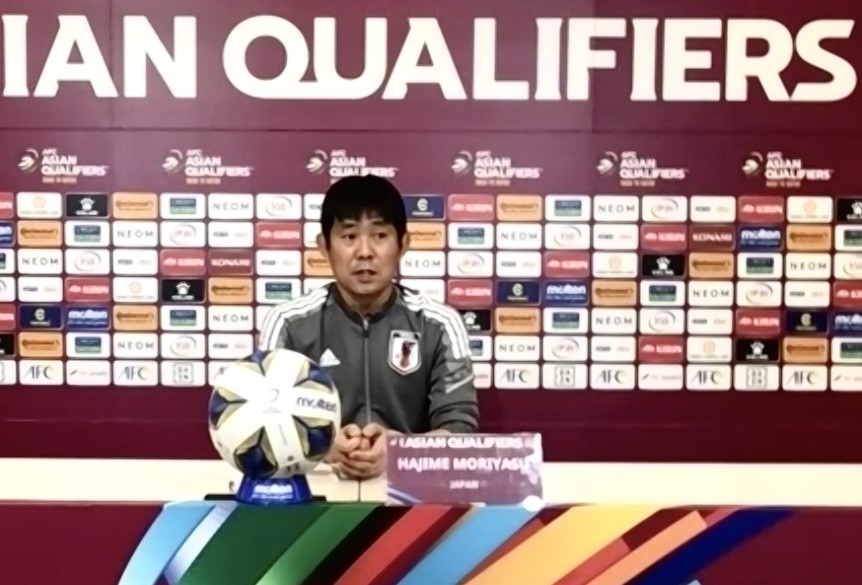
356, 196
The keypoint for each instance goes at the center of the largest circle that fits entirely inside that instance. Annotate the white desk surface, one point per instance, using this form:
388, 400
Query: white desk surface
111, 480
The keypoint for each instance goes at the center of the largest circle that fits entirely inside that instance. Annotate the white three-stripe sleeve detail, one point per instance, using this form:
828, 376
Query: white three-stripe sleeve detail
456, 385
279, 314
451, 321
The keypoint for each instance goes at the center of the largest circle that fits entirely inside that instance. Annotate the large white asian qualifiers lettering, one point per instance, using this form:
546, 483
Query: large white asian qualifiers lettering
424, 35
143, 46
141, 43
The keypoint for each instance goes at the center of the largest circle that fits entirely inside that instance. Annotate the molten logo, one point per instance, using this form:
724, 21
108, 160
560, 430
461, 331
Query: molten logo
317, 404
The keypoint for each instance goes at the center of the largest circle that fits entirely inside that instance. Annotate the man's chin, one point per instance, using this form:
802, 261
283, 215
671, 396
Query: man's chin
367, 289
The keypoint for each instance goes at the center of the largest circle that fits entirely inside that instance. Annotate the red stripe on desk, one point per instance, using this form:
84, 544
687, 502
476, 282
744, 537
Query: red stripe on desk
400, 548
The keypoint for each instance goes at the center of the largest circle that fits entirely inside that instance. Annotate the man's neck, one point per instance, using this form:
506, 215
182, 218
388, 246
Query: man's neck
365, 306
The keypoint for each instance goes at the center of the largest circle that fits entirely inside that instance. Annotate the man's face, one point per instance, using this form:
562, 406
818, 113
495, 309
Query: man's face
364, 254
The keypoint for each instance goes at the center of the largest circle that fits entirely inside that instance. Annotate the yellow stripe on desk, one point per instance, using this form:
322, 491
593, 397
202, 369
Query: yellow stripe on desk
561, 546
653, 550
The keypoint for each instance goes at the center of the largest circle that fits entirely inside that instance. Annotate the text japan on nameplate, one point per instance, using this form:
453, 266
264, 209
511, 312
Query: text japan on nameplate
464, 469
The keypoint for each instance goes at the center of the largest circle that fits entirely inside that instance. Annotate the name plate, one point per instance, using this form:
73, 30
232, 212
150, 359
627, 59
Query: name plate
464, 469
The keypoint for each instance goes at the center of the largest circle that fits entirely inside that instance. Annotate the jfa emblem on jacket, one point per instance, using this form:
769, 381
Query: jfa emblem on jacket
404, 355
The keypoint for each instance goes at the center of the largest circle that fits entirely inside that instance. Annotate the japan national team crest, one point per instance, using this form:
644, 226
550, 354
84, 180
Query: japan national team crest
404, 352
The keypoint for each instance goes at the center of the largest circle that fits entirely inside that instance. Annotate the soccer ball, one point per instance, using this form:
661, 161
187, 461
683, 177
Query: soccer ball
273, 414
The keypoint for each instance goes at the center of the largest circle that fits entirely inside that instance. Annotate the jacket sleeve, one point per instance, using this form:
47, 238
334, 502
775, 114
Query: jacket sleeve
452, 395
273, 331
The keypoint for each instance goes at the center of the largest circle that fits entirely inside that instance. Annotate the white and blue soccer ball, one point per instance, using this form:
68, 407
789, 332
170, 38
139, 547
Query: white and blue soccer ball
274, 414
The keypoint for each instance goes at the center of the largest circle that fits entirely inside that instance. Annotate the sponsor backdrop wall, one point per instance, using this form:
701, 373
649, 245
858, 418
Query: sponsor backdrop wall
649, 217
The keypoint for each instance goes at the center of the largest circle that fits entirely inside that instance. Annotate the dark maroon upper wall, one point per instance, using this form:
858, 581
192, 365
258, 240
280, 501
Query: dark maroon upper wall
637, 106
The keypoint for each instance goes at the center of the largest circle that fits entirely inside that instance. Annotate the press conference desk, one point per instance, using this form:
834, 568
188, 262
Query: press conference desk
84, 522
101, 480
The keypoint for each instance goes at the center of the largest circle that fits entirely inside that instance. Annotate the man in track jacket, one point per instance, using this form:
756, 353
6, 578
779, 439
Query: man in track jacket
401, 361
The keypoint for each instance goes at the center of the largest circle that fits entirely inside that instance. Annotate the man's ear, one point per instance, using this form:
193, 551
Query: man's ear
405, 244
321, 245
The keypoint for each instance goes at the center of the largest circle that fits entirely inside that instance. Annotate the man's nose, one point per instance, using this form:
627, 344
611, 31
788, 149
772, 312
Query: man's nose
364, 250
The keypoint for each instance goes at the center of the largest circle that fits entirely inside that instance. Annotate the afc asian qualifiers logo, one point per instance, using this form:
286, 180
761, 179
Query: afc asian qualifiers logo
637, 171
405, 356
781, 171
57, 167
338, 163
489, 170
200, 168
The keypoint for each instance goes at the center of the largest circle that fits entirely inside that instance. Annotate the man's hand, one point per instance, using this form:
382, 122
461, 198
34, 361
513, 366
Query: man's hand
348, 439
439, 432
366, 463
359, 453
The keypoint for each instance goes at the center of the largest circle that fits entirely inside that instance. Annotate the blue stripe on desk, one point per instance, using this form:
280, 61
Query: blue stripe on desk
687, 560
164, 538
482, 532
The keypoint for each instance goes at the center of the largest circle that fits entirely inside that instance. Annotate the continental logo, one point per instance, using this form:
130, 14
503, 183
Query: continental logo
809, 238
40, 234
314, 264
135, 206
40, 345
610, 293
427, 236
517, 320
230, 291
519, 208
804, 350
710, 265
135, 318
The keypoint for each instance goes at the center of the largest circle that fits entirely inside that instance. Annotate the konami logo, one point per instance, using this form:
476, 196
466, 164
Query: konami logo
713, 238
231, 262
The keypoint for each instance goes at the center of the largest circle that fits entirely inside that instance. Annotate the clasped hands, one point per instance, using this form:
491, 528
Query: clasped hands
359, 453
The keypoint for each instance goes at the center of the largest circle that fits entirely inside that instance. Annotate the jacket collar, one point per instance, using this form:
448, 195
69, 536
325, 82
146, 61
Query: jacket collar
339, 300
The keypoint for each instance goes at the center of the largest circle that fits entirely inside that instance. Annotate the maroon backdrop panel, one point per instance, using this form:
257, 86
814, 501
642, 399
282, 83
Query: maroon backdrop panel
573, 102
556, 84
87, 543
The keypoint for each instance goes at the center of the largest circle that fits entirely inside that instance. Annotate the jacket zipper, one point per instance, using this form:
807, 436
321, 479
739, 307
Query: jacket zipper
366, 332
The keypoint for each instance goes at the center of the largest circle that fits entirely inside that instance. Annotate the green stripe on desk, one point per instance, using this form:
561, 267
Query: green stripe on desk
312, 547
247, 545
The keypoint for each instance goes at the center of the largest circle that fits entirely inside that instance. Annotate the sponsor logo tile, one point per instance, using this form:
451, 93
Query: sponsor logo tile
471, 207
180, 262
761, 209
664, 238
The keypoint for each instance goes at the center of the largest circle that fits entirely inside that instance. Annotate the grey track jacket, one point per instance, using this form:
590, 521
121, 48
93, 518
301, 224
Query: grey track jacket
407, 368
